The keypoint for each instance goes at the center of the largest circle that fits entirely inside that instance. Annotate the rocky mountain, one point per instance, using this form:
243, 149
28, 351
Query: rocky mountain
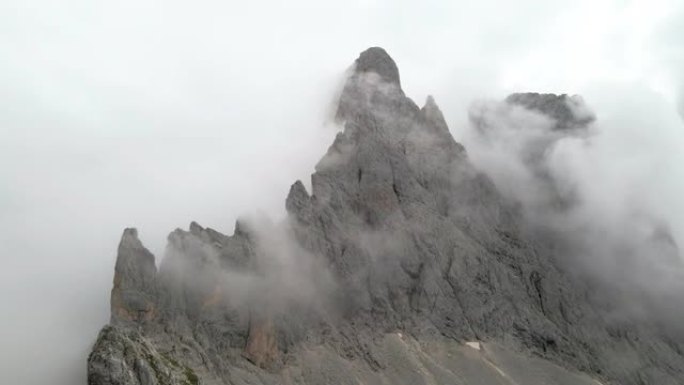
404, 264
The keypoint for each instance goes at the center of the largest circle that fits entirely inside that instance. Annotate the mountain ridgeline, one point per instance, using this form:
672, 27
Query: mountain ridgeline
404, 264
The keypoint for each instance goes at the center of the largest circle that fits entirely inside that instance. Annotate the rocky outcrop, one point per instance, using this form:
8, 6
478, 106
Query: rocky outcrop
133, 294
569, 112
262, 346
376, 62
401, 258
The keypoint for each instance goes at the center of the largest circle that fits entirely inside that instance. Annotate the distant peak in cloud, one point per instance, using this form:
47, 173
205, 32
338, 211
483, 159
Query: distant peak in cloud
568, 111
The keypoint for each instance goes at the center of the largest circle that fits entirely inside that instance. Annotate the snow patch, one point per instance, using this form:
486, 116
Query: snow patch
473, 344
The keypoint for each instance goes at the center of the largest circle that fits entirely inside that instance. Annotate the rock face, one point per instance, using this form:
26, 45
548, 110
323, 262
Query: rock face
133, 294
401, 254
569, 112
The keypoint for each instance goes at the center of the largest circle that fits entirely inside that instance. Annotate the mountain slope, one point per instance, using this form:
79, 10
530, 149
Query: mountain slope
402, 252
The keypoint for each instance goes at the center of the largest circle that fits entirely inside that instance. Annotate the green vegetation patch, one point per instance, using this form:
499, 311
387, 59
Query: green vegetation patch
191, 376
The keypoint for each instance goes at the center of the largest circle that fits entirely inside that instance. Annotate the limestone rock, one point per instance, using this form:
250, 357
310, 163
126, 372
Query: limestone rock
570, 112
262, 346
376, 60
133, 295
401, 253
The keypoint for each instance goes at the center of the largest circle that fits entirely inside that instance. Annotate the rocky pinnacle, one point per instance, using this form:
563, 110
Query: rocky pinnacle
404, 264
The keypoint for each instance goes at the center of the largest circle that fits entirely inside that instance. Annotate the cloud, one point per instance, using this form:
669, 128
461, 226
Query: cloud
607, 192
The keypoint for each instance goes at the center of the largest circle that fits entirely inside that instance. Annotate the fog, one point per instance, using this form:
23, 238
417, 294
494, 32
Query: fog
153, 114
607, 191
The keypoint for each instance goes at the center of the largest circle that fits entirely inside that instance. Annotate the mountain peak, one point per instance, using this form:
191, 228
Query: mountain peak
130, 239
373, 89
570, 112
433, 115
377, 60
401, 243
134, 281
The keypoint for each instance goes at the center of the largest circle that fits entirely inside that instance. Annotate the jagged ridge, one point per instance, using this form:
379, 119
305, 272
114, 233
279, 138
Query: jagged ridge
423, 254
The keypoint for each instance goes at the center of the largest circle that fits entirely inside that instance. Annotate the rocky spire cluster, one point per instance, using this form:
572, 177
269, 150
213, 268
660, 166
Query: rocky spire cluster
400, 254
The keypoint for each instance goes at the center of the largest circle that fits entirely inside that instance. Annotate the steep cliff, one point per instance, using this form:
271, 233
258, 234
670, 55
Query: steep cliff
403, 265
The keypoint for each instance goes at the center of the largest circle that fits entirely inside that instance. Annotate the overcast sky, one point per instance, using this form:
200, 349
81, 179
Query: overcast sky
155, 113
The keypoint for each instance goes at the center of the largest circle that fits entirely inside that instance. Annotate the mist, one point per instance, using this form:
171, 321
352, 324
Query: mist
150, 115
605, 190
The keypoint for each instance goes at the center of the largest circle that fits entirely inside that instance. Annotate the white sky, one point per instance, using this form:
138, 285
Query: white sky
155, 113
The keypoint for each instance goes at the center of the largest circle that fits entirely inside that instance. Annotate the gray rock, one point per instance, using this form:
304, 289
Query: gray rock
376, 60
570, 112
133, 297
401, 254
